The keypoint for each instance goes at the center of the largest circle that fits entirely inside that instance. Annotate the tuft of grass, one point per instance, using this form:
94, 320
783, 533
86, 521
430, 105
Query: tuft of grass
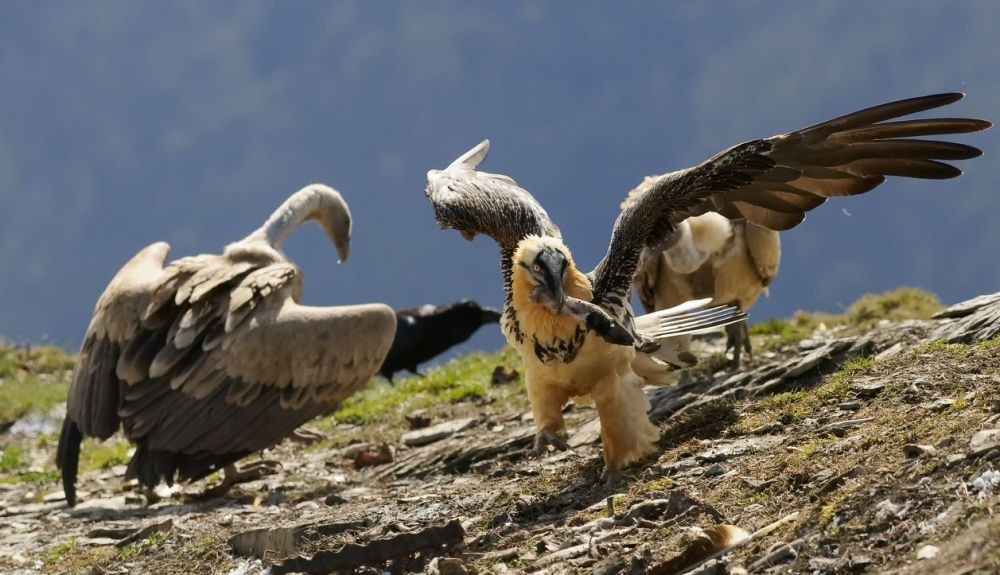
95, 455
781, 332
140, 548
897, 305
900, 304
58, 553
12, 458
32, 379
46, 477
463, 379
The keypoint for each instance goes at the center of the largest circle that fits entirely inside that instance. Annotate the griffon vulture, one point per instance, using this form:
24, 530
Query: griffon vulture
422, 333
212, 357
730, 261
771, 182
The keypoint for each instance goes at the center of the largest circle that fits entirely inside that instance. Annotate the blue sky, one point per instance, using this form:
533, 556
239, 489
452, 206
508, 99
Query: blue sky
126, 123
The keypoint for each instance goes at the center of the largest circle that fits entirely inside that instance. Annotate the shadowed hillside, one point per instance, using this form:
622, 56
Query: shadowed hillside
863, 442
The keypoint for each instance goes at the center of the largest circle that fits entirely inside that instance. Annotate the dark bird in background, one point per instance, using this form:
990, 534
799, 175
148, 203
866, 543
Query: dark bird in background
423, 333
212, 357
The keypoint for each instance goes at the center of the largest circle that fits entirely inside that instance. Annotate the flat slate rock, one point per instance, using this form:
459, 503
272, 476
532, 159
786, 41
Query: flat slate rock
984, 441
419, 437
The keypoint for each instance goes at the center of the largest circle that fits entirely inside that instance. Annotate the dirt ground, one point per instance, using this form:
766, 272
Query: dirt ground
871, 450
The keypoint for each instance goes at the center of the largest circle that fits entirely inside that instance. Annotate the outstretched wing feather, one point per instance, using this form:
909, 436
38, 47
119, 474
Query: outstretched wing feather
774, 181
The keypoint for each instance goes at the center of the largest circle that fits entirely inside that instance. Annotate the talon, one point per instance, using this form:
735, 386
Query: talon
647, 346
306, 436
544, 438
611, 478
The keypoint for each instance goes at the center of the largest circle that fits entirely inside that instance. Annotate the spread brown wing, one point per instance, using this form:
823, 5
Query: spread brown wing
243, 364
773, 182
221, 361
475, 202
646, 278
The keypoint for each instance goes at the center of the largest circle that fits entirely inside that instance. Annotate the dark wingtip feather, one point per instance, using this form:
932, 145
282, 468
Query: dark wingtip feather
68, 458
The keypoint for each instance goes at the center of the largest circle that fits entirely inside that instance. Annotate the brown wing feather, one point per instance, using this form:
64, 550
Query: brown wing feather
759, 180
94, 391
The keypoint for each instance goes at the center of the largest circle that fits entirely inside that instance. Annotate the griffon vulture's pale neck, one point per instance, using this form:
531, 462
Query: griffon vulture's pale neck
314, 202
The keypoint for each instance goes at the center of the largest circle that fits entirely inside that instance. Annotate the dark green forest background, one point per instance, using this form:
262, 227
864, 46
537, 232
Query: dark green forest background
123, 123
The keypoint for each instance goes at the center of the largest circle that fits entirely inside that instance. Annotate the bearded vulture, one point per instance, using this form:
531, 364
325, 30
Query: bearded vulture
549, 302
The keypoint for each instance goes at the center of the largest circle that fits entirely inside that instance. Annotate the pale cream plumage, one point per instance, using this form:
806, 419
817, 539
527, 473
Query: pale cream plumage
213, 357
731, 262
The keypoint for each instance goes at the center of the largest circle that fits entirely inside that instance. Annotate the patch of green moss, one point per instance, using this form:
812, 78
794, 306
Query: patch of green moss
47, 477
96, 455
12, 458
710, 364
462, 379
781, 332
900, 304
828, 511
142, 547
32, 379
663, 484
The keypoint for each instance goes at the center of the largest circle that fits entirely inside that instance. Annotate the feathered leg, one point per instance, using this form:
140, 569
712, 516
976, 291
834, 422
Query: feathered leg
547, 402
738, 339
626, 432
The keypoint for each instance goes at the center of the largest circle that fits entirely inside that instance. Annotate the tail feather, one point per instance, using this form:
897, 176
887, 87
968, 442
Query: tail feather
68, 458
689, 317
704, 320
669, 327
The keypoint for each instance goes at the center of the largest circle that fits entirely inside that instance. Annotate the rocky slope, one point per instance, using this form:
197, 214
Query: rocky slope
866, 447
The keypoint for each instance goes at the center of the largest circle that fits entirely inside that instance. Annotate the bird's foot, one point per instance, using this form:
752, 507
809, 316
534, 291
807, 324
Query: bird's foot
231, 476
647, 346
611, 477
253, 471
306, 436
546, 437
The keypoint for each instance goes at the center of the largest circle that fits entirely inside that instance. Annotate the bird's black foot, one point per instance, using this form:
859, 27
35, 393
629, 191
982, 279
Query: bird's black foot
647, 346
249, 472
546, 437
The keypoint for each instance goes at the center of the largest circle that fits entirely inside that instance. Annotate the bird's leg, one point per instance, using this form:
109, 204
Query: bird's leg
737, 339
646, 345
610, 477
547, 402
546, 437
149, 493
626, 432
250, 472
